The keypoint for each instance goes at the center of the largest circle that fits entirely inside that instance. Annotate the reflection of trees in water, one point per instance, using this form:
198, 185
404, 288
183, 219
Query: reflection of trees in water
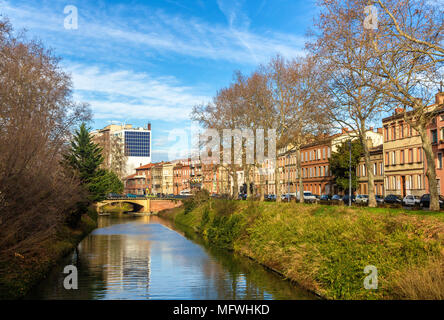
246, 278
122, 262
112, 264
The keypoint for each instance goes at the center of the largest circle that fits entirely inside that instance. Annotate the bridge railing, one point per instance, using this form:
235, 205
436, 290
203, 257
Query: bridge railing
145, 198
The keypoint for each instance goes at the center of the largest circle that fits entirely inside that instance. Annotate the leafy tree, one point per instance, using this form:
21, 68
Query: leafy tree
340, 164
103, 183
84, 156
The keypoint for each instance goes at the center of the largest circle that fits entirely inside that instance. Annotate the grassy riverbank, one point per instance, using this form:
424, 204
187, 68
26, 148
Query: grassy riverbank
326, 248
20, 273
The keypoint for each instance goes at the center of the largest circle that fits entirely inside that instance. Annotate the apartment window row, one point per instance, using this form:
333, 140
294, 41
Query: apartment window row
317, 154
398, 131
404, 156
314, 172
377, 167
412, 182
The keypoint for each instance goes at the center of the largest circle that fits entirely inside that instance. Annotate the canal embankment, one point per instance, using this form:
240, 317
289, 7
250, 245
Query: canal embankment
325, 249
20, 273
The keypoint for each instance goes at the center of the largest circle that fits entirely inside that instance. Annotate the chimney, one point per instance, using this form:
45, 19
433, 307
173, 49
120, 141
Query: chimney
379, 130
149, 126
344, 130
439, 98
399, 110
371, 129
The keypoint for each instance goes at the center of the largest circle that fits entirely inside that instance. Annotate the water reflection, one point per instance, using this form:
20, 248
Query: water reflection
148, 258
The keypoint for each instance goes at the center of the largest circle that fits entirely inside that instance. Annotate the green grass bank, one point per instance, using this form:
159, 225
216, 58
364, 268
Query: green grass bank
21, 273
326, 248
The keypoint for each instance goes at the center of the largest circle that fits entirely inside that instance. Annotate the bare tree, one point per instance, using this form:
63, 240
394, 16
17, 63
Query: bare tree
36, 117
298, 107
408, 45
344, 46
118, 158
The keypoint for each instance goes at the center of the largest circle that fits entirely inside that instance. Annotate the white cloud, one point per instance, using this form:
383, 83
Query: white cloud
165, 33
126, 94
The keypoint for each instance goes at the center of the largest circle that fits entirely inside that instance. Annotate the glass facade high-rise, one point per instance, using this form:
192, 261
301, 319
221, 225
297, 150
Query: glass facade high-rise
137, 143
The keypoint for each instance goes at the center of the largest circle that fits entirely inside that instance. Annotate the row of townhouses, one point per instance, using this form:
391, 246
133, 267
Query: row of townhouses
397, 161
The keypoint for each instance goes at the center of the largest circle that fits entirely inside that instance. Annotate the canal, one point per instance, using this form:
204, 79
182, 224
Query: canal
148, 258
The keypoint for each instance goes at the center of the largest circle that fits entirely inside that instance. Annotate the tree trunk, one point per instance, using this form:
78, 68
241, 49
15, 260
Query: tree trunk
299, 168
261, 185
431, 169
247, 180
371, 179
277, 183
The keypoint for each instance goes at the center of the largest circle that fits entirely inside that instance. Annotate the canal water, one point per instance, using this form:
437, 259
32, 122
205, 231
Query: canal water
147, 258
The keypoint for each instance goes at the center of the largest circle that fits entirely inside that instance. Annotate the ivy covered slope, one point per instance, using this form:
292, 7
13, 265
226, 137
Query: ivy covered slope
326, 248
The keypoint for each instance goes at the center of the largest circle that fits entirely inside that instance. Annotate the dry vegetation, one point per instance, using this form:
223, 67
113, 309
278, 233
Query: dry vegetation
37, 195
325, 248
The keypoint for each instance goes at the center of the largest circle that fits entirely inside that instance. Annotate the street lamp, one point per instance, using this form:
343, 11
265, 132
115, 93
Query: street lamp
288, 182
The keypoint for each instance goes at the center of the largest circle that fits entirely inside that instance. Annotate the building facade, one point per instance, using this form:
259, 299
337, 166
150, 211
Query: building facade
404, 171
377, 165
135, 142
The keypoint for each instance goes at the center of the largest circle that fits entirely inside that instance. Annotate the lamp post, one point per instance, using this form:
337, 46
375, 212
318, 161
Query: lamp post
288, 182
350, 175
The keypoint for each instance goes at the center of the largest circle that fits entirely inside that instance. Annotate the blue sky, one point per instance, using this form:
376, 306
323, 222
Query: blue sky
150, 61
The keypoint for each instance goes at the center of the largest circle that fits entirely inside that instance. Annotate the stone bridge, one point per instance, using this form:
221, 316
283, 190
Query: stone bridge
143, 205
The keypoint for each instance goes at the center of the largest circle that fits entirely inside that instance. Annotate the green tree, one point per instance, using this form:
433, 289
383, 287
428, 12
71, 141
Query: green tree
103, 183
340, 164
84, 156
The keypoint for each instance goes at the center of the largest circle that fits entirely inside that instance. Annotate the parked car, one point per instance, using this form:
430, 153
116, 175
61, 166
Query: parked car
411, 200
130, 195
336, 197
308, 197
425, 201
346, 198
285, 196
242, 196
325, 197
361, 199
379, 199
114, 196
392, 199
271, 197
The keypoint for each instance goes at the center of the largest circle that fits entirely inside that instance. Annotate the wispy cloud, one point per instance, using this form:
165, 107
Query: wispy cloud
127, 94
168, 33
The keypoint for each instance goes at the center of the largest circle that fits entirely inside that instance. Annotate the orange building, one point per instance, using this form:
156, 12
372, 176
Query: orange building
436, 131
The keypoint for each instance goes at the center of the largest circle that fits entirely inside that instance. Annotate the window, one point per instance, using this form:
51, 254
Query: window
328, 152
381, 170
402, 157
387, 158
375, 169
401, 130
410, 155
419, 159
434, 136
440, 160
442, 134
393, 157
394, 133
386, 133
323, 153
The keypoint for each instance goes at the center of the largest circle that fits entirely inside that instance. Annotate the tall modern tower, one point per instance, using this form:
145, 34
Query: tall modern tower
136, 143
